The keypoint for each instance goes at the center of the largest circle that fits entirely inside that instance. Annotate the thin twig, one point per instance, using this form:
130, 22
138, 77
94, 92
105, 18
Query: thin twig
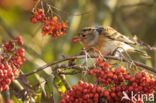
70, 73
66, 13
35, 6
136, 5
58, 66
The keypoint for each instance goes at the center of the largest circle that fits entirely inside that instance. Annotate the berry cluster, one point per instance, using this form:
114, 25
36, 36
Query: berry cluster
51, 27
84, 93
54, 28
11, 58
141, 83
38, 16
111, 84
106, 76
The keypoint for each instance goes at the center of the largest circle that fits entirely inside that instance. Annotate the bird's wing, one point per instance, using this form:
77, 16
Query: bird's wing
111, 33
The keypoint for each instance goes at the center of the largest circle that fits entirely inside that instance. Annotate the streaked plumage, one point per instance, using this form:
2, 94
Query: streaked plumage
104, 40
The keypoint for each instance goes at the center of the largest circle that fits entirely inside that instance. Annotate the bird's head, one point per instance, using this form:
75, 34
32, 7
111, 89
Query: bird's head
88, 36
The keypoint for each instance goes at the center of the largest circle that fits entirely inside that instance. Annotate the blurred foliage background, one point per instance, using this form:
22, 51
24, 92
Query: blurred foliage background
130, 17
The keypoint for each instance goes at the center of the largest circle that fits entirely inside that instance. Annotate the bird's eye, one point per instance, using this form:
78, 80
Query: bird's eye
83, 35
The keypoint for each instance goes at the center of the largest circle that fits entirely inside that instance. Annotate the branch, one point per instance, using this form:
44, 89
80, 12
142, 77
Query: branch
58, 66
83, 57
136, 5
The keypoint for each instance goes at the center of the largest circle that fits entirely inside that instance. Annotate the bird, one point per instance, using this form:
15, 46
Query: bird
105, 40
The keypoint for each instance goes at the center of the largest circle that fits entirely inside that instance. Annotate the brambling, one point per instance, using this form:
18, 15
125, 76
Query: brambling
104, 40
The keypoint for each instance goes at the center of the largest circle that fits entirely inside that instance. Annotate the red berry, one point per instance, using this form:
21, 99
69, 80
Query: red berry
106, 65
80, 82
38, 17
75, 40
113, 89
99, 60
130, 88
99, 89
91, 72
138, 76
10, 101
110, 74
19, 40
106, 93
144, 74
96, 95
33, 20
113, 94
63, 101
134, 84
